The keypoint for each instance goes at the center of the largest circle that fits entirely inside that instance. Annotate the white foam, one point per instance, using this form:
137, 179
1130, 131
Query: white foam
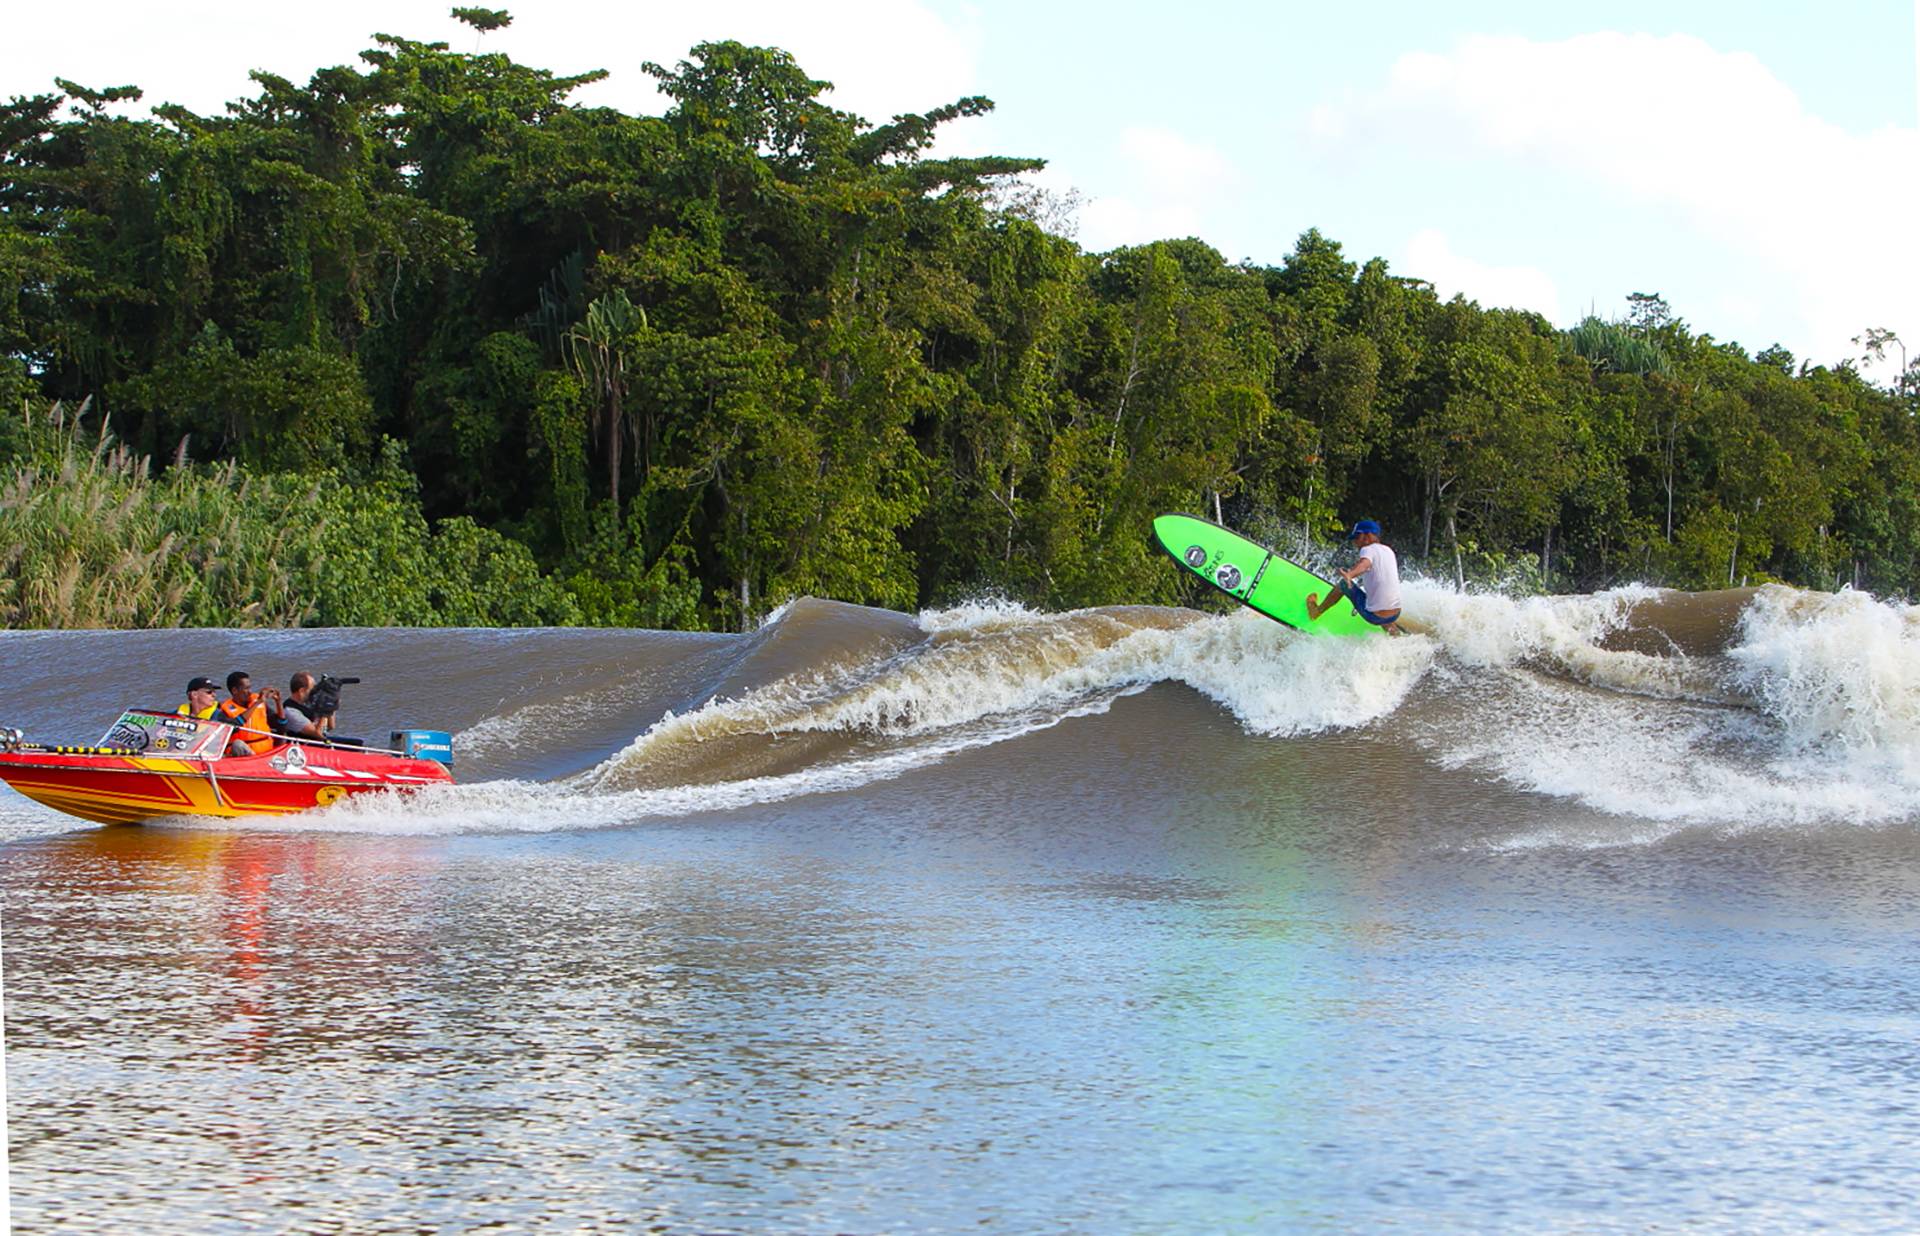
1828, 727
1277, 682
992, 673
1008, 661
1813, 717
1490, 631
981, 614
524, 806
504, 730
1839, 668
1673, 765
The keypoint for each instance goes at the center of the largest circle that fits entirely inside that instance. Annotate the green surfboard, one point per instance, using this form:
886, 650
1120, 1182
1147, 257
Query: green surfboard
1254, 575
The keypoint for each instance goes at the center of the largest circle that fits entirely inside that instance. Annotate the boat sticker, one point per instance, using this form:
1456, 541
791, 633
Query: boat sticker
127, 732
1228, 576
1196, 556
327, 795
180, 723
161, 744
292, 760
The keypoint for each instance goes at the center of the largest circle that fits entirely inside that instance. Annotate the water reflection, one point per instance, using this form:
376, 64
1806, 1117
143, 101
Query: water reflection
1221, 1000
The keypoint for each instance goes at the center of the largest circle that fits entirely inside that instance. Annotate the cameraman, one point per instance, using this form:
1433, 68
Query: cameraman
295, 717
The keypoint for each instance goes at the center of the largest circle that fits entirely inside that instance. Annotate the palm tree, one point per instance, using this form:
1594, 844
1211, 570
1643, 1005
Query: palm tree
597, 349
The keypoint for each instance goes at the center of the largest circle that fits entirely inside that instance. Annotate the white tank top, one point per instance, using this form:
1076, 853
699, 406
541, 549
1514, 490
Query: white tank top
1381, 580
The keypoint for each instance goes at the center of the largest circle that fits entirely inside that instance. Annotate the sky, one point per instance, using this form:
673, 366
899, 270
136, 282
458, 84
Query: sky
1756, 165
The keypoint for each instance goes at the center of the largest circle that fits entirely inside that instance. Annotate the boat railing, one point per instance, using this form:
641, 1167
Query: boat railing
324, 744
213, 752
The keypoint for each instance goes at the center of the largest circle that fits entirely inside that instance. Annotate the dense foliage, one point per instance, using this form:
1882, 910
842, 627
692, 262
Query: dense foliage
89, 537
451, 349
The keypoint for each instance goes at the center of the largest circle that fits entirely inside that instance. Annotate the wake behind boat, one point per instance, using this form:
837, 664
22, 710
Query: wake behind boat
154, 764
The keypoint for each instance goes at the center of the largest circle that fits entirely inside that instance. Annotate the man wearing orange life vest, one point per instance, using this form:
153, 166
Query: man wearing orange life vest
247, 713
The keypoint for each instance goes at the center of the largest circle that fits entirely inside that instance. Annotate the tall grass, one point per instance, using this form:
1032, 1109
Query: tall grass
91, 537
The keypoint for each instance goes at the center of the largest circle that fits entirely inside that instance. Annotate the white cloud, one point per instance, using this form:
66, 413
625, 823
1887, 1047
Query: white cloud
1670, 125
1175, 165
1170, 181
1108, 222
1430, 256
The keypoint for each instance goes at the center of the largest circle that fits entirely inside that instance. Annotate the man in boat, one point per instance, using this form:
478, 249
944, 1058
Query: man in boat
1378, 600
200, 700
292, 717
246, 711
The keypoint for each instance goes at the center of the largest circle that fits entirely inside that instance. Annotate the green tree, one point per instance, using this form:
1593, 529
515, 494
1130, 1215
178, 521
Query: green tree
1493, 439
599, 349
287, 409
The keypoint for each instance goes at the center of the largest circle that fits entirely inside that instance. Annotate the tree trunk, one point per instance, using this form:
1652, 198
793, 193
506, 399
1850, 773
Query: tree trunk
1126, 389
746, 596
1306, 532
1013, 483
1669, 492
1426, 523
1453, 537
614, 426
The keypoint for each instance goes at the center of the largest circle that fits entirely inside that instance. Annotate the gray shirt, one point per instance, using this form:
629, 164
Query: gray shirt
297, 721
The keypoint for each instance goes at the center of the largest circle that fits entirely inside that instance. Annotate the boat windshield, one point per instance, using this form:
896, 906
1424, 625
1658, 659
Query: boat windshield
157, 733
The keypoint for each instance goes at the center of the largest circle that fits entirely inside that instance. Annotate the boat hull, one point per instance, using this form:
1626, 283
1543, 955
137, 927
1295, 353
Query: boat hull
124, 789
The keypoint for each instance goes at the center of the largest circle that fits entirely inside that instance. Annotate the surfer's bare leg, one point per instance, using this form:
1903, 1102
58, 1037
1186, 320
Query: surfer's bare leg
1316, 607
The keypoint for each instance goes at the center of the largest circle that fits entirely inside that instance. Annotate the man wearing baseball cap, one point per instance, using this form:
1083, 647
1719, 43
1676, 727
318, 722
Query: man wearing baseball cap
1378, 601
200, 699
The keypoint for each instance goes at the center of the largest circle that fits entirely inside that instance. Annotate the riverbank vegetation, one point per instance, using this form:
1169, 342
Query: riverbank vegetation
422, 342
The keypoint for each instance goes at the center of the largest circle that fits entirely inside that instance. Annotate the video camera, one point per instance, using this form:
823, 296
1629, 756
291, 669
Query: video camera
324, 700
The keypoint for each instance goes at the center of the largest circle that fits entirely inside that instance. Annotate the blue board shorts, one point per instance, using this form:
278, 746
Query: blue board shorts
1358, 596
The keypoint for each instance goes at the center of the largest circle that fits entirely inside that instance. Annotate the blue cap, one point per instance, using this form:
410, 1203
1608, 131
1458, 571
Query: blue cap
1364, 526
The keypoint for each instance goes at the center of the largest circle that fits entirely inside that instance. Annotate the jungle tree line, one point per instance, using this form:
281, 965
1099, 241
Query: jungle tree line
682, 367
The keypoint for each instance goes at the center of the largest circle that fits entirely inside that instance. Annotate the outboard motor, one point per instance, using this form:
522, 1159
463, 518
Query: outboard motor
436, 745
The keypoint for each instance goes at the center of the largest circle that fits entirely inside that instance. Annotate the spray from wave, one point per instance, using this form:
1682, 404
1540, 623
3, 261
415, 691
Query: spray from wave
1806, 712
1765, 706
848, 697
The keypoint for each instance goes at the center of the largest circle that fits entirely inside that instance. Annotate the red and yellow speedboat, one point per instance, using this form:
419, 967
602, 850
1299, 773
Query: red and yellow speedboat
156, 764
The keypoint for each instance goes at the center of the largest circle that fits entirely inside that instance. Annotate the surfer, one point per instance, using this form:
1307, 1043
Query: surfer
1378, 601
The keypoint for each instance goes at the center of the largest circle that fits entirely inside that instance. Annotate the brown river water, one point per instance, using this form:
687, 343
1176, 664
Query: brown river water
1584, 913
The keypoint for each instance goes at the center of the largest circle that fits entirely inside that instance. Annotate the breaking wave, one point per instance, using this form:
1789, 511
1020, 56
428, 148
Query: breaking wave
1747, 707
